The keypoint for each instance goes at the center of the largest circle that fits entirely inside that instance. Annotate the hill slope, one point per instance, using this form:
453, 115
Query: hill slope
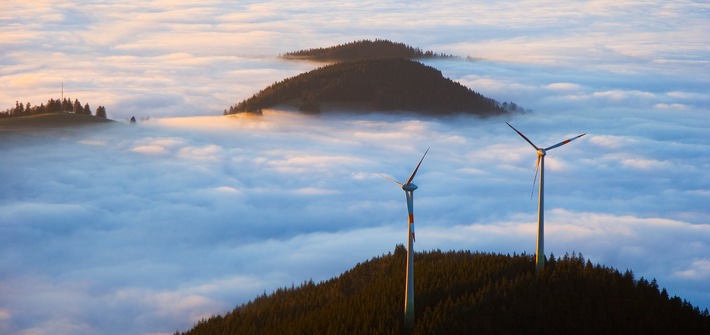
380, 84
468, 293
363, 50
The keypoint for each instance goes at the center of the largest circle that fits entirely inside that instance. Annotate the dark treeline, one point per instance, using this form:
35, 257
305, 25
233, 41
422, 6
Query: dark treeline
364, 49
65, 105
468, 293
383, 83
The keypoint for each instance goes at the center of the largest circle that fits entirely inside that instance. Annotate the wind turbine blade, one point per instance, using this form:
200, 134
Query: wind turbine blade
409, 181
523, 136
537, 168
390, 179
564, 142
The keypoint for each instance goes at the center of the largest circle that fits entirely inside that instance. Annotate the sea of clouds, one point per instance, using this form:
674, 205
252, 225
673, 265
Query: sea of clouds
147, 228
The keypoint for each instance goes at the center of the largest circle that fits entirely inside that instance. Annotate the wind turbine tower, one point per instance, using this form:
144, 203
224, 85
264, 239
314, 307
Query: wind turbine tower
541, 152
409, 188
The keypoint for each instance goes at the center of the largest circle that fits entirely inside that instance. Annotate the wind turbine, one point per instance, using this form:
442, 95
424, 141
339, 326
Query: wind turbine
541, 152
409, 188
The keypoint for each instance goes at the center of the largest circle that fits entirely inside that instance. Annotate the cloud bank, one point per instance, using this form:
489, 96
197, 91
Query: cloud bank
146, 229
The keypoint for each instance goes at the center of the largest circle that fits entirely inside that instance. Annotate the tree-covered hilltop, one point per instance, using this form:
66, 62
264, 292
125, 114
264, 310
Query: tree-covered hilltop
363, 49
381, 84
468, 293
65, 105
50, 121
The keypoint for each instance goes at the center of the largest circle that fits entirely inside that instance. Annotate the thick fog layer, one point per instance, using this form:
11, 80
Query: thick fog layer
147, 228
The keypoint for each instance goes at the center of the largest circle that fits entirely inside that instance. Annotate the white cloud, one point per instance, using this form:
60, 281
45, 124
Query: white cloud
150, 149
670, 106
688, 95
207, 152
645, 164
227, 189
611, 141
563, 86
699, 269
623, 94
314, 191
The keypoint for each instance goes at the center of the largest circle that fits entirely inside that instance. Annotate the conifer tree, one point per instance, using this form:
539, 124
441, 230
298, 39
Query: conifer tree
101, 111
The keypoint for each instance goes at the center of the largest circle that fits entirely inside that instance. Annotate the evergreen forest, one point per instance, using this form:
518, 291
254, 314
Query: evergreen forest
389, 84
463, 292
65, 105
364, 49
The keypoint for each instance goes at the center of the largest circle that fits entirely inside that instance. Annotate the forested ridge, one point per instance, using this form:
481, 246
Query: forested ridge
383, 84
462, 292
364, 49
65, 105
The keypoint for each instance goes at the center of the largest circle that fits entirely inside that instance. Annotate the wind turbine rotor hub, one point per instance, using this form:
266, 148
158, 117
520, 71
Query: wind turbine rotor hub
541, 152
409, 187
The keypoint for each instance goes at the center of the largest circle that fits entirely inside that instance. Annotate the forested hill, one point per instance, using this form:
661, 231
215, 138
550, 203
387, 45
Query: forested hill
65, 105
55, 114
468, 293
51, 121
383, 84
363, 49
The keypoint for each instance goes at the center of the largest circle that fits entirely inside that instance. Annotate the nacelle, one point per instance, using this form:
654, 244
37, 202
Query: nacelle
409, 187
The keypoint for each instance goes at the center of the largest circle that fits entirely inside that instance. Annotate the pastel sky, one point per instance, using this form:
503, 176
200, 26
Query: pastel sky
146, 229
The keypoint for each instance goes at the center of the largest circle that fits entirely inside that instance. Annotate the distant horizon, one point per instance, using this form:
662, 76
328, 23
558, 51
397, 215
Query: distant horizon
148, 229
